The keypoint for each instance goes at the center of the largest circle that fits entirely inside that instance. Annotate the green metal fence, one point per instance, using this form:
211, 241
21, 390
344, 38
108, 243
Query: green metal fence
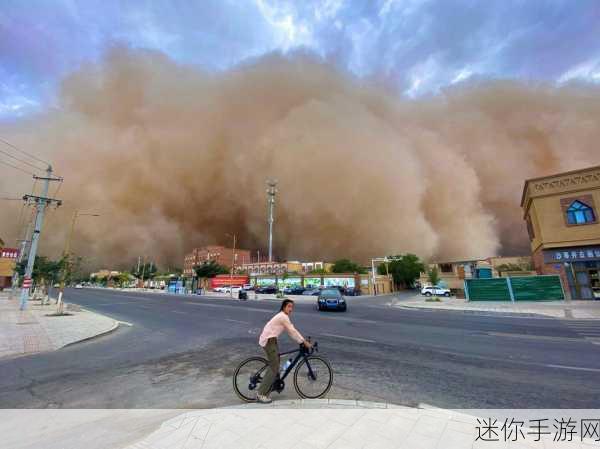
527, 288
537, 288
495, 289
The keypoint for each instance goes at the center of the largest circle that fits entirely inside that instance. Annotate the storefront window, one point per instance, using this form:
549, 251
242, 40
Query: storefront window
580, 213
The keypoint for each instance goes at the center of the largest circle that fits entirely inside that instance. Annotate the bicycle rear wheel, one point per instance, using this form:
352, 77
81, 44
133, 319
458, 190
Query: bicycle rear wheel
313, 377
248, 377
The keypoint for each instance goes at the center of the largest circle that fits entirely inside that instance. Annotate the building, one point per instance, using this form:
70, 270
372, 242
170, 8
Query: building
8, 262
219, 254
366, 284
257, 268
104, 274
561, 215
503, 266
452, 274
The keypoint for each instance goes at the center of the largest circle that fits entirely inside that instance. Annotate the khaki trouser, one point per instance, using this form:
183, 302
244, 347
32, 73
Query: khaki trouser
270, 373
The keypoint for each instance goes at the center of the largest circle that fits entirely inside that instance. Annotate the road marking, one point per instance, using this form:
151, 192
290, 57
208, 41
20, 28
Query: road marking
576, 368
252, 309
364, 340
530, 336
237, 321
126, 323
337, 318
179, 311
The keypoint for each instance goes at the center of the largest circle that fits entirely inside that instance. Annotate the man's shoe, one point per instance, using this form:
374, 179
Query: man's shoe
263, 399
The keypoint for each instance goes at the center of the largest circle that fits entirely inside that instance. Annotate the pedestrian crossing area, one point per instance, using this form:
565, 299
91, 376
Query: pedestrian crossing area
588, 329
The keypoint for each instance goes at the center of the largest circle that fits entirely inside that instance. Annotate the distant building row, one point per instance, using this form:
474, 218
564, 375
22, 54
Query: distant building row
243, 262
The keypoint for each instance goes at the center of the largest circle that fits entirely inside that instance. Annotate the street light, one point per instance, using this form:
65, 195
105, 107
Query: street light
59, 301
232, 266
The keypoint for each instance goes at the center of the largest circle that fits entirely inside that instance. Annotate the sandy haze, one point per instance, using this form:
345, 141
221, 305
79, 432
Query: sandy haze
173, 157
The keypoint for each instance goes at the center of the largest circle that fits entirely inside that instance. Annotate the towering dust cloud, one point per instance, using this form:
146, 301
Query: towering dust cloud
173, 157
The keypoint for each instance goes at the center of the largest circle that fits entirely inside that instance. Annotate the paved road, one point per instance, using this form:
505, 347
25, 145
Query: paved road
181, 352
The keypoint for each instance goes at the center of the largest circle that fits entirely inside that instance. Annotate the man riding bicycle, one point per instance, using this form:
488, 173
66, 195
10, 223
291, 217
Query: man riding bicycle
268, 341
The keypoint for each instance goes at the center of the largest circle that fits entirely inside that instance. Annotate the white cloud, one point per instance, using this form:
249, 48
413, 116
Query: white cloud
17, 106
461, 75
588, 71
290, 32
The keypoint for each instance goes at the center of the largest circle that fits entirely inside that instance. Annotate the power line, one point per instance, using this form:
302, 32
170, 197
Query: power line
17, 168
58, 188
21, 223
21, 160
24, 152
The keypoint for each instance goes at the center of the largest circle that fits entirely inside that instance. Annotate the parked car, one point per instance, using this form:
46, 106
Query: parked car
311, 292
331, 298
351, 291
435, 290
78, 286
226, 289
294, 290
248, 287
270, 289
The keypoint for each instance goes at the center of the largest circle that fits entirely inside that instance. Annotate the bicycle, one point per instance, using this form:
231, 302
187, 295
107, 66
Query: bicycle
312, 372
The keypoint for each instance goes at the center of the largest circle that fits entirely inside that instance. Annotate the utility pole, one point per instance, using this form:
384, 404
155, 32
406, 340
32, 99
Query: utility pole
232, 268
23, 242
271, 191
40, 207
143, 271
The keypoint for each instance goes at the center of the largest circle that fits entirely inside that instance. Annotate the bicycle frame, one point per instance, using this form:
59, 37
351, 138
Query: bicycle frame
278, 384
301, 354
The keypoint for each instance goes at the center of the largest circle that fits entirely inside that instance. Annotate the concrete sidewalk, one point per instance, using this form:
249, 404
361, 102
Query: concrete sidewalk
31, 330
555, 309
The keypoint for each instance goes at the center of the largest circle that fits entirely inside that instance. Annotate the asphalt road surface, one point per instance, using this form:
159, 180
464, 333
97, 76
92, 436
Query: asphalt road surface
181, 351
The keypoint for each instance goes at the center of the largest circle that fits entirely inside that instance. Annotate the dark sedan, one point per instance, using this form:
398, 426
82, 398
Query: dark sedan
271, 289
296, 290
331, 299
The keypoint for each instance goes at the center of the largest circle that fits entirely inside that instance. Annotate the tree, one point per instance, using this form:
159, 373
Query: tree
346, 266
44, 270
433, 276
514, 267
405, 269
123, 279
147, 270
210, 269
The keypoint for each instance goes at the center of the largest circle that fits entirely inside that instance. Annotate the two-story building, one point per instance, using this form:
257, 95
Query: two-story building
561, 214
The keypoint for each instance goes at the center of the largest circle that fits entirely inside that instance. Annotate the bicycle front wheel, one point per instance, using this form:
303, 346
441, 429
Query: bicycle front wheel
248, 378
313, 377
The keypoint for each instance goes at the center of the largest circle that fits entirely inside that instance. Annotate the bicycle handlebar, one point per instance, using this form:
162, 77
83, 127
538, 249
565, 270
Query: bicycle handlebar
314, 348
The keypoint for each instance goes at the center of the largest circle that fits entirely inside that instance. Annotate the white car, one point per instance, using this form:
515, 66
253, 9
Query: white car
226, 289
435, 290
79, 286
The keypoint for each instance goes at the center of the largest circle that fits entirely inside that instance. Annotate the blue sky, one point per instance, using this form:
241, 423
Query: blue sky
415, 46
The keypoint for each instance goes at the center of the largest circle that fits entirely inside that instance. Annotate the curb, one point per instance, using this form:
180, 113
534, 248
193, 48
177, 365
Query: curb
319, 403
101, 334
480, 311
